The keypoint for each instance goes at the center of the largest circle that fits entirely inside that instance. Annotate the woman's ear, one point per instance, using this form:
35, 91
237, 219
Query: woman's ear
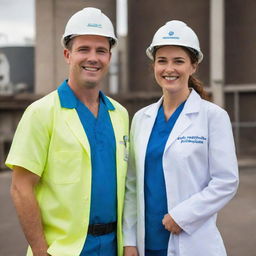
194, 68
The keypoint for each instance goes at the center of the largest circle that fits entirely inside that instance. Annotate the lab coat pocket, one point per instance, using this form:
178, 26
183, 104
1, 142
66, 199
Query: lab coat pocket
204, 241
65, 167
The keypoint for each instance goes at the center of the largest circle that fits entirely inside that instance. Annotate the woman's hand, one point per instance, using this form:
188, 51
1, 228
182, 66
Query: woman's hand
171, 225
130, 251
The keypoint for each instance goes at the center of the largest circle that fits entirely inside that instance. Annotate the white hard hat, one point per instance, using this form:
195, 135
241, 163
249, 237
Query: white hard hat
89, 21
175, 32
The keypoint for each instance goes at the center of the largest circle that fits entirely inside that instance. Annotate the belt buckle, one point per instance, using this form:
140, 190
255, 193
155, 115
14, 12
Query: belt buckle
98, 229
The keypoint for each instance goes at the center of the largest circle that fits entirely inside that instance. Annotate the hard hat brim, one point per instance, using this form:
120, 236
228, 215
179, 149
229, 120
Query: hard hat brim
66, 39
150, 51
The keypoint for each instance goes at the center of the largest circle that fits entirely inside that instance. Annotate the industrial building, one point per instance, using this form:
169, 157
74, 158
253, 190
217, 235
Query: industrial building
226, 33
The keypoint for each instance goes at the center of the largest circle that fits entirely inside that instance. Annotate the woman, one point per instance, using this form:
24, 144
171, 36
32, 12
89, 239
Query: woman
182, 167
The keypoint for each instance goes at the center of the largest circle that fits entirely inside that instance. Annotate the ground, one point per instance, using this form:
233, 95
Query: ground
237, 221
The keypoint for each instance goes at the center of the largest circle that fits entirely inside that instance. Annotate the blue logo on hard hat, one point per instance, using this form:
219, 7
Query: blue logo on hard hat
94, 25
170, 36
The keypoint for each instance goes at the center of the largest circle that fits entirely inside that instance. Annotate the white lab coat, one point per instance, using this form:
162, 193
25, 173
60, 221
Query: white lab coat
201, 175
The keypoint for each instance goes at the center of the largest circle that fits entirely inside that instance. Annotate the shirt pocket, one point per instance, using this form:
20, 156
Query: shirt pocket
65, 167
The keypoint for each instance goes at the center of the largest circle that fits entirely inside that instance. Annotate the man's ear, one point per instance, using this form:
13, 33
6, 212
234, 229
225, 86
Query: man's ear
66, 53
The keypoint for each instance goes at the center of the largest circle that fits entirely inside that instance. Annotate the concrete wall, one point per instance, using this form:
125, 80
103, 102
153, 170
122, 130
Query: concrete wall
240, 63
240, 42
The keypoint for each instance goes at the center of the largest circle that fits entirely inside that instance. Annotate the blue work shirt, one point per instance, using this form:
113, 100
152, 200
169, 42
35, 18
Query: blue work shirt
156, 236
100, 133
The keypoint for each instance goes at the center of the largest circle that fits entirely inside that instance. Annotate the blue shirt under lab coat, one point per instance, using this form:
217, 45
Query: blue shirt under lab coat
156, 236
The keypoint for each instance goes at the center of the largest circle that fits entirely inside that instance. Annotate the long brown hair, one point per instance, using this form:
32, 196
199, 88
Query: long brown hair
194, 82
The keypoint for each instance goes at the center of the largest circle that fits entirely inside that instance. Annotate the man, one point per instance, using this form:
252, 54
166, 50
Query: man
69, 153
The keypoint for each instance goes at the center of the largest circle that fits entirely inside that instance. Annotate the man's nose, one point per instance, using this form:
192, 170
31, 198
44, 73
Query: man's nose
92, 57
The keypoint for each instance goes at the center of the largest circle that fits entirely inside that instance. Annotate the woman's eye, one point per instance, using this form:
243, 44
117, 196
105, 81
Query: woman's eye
179, 61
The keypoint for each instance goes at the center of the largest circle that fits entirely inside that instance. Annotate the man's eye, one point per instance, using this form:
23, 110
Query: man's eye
102, 51
82, 49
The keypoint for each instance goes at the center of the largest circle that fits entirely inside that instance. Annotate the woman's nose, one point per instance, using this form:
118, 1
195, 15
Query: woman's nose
169, 67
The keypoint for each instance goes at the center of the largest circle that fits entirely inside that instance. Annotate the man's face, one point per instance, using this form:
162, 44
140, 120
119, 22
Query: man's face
88, 60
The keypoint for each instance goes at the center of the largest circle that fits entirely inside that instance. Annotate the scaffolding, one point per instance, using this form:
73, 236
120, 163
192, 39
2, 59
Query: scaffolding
237, 124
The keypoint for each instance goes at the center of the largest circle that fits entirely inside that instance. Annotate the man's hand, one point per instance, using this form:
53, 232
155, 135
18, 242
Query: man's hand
130, 251
171, 225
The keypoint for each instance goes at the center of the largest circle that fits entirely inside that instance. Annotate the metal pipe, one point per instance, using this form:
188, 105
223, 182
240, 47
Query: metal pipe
217, 43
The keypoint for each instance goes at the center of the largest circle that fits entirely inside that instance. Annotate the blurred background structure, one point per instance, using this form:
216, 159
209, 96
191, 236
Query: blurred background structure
227, 41
226, 30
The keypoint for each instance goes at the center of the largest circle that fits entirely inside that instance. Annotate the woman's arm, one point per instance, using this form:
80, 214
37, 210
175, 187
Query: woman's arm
223, 171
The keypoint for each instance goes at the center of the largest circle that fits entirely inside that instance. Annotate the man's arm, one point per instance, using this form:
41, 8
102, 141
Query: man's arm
22, 192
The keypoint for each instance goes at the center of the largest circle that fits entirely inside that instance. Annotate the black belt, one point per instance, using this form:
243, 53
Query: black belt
101, 229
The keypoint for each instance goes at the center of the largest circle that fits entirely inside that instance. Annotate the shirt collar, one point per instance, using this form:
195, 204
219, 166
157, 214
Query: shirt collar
106, 101
67, 97
69, 100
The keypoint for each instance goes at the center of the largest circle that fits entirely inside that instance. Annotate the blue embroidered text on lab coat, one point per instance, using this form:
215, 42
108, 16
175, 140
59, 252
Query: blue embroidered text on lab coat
192, 139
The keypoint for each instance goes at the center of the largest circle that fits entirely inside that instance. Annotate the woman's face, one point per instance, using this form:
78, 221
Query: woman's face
172, 69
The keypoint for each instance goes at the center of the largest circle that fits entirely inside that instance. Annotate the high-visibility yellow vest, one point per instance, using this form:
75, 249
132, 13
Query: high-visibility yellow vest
50, 141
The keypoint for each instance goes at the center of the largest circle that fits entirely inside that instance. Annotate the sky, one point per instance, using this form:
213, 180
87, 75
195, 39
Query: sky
17, 21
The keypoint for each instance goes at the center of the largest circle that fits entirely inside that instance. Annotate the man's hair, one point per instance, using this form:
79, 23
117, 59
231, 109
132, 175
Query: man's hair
69, 42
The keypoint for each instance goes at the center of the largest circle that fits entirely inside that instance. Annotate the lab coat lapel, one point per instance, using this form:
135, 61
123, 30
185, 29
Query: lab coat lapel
76, 127
186, 117
146, 126
180, 126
